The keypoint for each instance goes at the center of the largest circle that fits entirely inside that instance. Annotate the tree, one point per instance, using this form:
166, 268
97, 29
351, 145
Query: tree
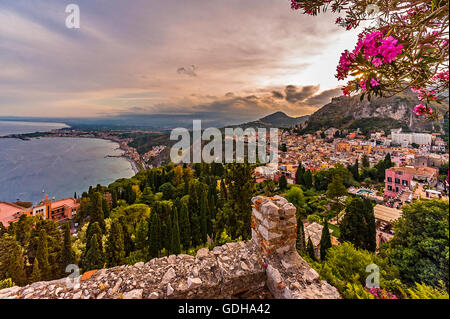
16, 269
325, 241
240, 186
296, 197
185, 227
3, 230
398, 36
42, 255
155, 236
336, 190
195, 229
105, 208
345, 267
67, 255
282, 182
115, 248
94, 256
307, 179
114, 198
141, 239
299, 175
420, 246
358, 224
175, 234
36, 274
96, 211
310, 249
203, 217
168, 191
127, 241
387, 161
300, 242
365, 161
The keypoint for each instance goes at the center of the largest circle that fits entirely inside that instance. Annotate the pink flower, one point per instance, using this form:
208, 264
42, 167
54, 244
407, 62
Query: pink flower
346, 91
363, 84
374, 83
377, 62
421, 109
389, 49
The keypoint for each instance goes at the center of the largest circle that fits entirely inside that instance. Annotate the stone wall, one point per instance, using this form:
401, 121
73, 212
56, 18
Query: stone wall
229, 271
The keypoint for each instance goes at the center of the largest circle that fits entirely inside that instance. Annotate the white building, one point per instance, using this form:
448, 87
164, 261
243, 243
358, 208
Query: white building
406, 139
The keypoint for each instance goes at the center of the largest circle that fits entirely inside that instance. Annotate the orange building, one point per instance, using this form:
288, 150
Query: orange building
58, 211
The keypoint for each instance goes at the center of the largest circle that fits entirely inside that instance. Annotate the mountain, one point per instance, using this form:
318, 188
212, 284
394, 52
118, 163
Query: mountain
277, 119
377, 114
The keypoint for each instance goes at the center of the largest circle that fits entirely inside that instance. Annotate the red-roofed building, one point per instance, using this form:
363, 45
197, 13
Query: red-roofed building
58, 211
10, 213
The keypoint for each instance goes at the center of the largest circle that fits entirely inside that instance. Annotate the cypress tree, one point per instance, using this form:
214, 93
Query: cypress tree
282, 182
325, 241
301, 242
67, 255
175, 234
42, 255
185, 227
358, 224
93, 229
97, 214
308, 181
387, 161
127, 241
114, 198
94, 256
16, 266
154, 238
195, 229
241, 186
299, 175
36, 274
105, 208
141, 235
115, 250
203, 216
310, 249
365, 161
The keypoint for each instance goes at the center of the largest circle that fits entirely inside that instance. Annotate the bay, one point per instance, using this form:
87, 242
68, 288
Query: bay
58, 167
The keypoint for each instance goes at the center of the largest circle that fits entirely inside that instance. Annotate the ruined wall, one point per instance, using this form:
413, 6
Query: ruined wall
235, 269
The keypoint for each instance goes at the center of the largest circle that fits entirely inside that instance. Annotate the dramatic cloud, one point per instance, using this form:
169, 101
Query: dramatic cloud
190, 71
124, 58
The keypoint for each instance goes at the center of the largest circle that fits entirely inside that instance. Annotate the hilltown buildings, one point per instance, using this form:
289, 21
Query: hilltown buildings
58, 211
400, 179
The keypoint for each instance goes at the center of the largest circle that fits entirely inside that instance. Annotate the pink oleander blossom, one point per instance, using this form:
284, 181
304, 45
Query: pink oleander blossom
374, 82
381, 293
363, 84
389, 49
421, 109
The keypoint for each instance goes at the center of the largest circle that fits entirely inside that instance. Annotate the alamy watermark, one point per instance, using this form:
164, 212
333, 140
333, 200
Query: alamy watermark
235, 141
373, 279
73, 19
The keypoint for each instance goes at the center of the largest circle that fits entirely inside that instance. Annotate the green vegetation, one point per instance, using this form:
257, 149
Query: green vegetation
420, 246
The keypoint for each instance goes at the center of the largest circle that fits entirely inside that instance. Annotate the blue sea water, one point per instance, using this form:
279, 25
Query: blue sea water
56, 166
15, 127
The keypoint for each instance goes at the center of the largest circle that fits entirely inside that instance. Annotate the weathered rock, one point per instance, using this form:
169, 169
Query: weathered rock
133, 294
168, 276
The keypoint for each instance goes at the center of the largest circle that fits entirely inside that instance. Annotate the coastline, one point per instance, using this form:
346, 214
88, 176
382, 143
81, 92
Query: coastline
134, 165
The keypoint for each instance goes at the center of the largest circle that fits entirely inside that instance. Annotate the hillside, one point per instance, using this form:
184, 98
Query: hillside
278, 119
380, 113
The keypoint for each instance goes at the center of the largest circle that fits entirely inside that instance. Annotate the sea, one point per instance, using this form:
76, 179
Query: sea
57, 166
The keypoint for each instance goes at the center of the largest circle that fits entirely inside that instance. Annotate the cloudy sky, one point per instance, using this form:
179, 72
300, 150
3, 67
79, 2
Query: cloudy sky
242, 57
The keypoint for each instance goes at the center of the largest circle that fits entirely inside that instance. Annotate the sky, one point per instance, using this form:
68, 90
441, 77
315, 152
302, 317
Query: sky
247, 58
